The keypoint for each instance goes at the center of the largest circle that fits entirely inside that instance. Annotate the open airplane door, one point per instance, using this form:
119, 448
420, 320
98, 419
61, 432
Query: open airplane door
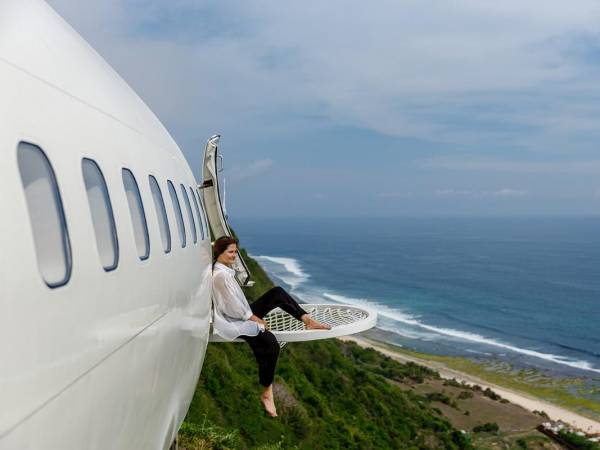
214, 204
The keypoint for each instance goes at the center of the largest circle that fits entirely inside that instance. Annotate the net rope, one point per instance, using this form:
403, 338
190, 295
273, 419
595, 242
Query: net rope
279, 320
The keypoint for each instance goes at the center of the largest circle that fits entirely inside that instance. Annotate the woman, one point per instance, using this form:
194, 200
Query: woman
234, 317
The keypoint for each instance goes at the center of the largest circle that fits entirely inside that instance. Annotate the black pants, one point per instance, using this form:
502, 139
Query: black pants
265, 345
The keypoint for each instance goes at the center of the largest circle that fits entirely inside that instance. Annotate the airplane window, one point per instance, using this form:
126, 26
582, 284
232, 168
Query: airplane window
188, 207
177, 209
161, 213
50, 234
197, 213
102, 214
138, 216
203, 214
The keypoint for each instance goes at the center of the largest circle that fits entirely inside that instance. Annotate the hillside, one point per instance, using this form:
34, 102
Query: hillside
332, 394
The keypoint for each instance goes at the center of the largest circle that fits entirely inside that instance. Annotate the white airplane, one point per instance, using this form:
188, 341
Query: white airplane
106, 277
105, 284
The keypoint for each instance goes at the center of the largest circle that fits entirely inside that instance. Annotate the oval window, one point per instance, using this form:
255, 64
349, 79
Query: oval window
197, 213
188, 208
177, 210
138, 215
161, 214
46, 214
102, 214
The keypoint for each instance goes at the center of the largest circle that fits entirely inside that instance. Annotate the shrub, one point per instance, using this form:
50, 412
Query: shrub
207, 435
441, 397
541, 414
491, 394
522, 443
452, 382
465, 395
579, 442
488, 427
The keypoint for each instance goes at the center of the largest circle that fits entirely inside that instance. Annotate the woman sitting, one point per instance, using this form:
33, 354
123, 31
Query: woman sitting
234, 317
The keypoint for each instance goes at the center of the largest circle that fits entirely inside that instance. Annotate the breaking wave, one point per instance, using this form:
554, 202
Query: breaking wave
290, 271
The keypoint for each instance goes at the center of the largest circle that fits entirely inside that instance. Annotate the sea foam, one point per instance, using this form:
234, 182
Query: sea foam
398, 316
292, 274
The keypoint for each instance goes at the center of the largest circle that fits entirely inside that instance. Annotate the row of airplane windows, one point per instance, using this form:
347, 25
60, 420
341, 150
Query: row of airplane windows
49, 225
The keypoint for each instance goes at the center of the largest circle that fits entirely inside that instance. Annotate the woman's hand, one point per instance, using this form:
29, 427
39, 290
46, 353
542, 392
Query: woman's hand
259, 321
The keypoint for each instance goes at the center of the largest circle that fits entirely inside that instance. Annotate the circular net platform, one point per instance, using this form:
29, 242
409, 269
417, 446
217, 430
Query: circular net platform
344, 320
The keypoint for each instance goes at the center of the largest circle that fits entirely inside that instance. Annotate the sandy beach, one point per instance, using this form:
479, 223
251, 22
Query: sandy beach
530, 403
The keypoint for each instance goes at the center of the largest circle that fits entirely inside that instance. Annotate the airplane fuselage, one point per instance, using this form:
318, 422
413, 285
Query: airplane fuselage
103, 326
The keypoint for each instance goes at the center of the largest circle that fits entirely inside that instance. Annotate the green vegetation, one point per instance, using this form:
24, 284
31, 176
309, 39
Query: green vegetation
455, 383
491, 394
330, 394
567, 392
465, 395
261, 280
579, 442
204, 436
441, 397
532, 442
488, 427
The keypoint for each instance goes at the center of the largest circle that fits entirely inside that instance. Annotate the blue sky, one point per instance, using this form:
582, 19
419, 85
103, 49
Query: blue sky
389, 108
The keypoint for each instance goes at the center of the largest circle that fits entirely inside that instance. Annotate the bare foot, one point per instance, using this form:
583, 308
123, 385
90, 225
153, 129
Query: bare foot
312, 324
267, 400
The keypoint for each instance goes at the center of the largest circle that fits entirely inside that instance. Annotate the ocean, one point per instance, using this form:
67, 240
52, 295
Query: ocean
521, 290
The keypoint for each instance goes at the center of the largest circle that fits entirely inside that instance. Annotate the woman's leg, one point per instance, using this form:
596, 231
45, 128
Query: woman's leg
277, 297
266, 351
268, 401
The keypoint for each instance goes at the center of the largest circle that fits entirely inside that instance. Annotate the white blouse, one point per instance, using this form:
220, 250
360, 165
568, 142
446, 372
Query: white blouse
231, 309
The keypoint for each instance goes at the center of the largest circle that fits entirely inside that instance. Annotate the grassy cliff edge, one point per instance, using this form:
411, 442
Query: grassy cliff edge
330, 394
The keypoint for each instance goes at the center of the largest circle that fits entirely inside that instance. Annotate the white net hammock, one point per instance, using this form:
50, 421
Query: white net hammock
344, 320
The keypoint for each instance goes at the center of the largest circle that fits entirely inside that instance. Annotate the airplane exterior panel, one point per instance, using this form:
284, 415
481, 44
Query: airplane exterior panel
110, 359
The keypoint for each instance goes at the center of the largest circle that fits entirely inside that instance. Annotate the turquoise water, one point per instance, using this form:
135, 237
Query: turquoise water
523, 290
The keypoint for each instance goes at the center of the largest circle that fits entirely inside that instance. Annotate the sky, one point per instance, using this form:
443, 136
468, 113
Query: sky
371, 109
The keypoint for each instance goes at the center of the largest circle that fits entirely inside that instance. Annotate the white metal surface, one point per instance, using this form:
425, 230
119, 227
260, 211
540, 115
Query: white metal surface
344, 319
215, 208
110, 360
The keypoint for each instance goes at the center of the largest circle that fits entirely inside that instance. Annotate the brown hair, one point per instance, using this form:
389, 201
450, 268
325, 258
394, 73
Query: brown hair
221, 244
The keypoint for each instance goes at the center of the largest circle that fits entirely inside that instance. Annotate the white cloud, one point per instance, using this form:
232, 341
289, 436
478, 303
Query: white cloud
394, 194
496, 165
454, 71
252, 170
453, 192
504, 192
507, 192
488, 79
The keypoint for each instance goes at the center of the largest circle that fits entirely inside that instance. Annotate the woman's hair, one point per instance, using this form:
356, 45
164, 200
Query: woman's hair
221, 244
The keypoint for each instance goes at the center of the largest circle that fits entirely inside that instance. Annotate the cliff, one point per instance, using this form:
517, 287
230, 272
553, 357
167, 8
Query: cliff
330, 394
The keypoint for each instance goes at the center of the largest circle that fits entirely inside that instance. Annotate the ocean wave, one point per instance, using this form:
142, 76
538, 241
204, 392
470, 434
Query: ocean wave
382, 310
406, 333
293, 275
407, 319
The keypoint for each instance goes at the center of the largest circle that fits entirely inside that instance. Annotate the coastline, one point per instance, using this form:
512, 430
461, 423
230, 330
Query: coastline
524, 400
